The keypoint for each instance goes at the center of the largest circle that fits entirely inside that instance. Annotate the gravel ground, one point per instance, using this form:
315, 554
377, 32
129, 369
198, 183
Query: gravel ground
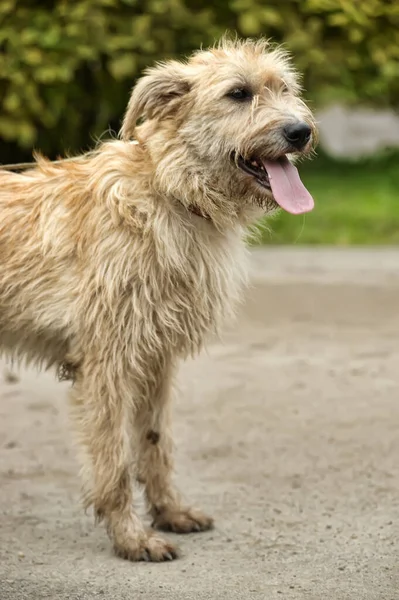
287, 432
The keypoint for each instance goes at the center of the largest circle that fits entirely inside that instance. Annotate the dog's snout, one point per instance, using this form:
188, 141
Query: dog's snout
297, 134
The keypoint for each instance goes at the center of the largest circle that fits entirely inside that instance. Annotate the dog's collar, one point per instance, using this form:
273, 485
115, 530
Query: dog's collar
195, 210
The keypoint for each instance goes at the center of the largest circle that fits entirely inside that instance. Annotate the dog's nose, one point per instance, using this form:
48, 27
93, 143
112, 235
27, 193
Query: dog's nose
297, 134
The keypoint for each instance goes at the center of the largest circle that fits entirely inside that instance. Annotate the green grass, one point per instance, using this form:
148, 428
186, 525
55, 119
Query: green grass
355, 203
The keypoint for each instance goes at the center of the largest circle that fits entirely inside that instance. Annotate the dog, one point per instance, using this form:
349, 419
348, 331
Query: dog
120, 262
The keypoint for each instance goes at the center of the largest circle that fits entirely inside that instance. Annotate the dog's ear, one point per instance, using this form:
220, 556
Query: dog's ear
156, 95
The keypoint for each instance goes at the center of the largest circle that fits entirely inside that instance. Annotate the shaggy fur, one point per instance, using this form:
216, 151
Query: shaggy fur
117, 263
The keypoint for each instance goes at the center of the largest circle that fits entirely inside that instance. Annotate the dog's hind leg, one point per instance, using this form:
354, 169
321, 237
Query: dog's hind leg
101, 400
155, 462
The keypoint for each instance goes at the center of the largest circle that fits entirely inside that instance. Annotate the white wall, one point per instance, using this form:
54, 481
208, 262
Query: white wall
355, 132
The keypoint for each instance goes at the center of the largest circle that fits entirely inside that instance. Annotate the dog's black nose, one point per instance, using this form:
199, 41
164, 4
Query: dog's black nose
297, 134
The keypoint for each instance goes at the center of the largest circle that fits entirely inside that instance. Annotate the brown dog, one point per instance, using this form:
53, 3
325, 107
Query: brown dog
117, 263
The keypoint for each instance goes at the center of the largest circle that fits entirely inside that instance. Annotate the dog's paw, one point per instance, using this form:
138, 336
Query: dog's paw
153, 548
182, 521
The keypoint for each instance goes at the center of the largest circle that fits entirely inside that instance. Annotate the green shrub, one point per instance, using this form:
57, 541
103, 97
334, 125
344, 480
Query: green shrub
66, 67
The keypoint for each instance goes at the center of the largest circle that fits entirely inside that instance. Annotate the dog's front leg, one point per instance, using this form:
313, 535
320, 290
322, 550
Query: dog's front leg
155, 462
101, 400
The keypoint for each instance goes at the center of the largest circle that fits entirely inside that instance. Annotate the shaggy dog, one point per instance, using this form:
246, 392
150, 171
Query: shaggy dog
116, 264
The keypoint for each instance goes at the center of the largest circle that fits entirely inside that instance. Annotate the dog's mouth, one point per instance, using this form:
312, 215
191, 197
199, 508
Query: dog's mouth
256, 169
280, 179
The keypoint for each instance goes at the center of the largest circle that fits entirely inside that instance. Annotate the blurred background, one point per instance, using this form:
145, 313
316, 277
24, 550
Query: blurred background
291, 439
66, 69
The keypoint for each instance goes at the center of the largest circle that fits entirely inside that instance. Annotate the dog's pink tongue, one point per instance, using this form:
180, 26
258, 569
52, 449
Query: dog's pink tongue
287, 187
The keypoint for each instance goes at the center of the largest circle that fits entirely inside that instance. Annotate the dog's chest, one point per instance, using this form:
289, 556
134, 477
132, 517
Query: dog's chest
197, 291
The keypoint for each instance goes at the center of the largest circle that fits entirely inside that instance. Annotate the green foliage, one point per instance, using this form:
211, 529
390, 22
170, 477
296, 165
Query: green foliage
66, 67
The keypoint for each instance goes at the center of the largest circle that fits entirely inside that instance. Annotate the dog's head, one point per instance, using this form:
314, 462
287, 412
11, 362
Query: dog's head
219, 127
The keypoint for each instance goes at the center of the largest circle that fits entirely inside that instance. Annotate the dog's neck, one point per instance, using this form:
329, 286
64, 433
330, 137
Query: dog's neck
192, 208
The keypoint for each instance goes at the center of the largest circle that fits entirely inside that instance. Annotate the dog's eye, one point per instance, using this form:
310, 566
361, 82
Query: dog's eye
240, 94
284, 87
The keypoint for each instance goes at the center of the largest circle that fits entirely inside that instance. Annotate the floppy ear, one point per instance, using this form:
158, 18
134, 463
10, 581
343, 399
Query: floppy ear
156, 95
